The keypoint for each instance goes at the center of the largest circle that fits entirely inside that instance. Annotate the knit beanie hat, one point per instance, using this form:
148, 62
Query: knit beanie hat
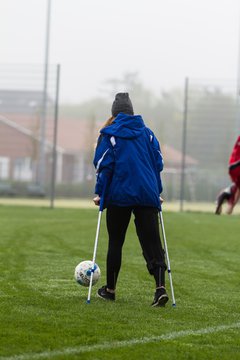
122, 103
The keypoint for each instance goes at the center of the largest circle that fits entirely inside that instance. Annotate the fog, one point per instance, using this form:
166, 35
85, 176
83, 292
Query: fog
96, 40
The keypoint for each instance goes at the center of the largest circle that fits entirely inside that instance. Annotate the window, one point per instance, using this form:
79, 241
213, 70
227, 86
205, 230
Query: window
4, 167
22, 169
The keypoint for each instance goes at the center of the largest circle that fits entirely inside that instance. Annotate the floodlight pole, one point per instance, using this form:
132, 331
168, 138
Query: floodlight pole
184, 140
42, 160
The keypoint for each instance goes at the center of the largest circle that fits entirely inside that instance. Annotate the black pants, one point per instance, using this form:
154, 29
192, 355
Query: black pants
147, 228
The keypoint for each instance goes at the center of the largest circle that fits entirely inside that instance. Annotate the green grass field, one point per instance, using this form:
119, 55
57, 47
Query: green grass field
43, 311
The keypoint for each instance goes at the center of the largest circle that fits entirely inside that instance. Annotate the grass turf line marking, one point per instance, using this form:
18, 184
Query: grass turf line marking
120, 344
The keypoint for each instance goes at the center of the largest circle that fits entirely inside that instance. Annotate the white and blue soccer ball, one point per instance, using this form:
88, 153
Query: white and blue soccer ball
83, 271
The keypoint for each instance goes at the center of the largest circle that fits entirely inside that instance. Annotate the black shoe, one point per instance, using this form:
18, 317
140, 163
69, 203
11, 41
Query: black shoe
104, 294
160, 297
222, 197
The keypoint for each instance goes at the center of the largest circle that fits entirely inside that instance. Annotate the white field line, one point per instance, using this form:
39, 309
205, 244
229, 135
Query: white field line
120, 344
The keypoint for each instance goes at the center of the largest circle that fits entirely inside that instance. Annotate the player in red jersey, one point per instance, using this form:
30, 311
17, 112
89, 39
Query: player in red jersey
231, 194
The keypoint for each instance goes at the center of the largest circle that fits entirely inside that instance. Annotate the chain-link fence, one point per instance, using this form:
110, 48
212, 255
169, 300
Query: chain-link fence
43, 157
210, 128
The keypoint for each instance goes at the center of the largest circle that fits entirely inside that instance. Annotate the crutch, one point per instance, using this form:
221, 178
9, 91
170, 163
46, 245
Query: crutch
168, 261
95, 246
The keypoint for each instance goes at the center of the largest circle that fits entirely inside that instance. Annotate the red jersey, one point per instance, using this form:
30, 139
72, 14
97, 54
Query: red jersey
234, 163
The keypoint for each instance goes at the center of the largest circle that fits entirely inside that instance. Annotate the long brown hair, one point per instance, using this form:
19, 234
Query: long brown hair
108, 122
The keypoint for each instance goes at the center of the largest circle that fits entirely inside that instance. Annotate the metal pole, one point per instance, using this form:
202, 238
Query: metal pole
184, 141
42, 162
54, 152
94, 255
167, 257
96, 241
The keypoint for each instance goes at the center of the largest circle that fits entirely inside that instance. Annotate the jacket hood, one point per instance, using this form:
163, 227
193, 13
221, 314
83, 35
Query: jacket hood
125, 126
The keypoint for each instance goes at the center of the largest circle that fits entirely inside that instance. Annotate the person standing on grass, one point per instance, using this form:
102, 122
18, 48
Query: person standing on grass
231, 194
128, 163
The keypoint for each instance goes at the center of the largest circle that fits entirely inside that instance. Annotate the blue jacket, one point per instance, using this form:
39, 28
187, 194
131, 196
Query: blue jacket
128, 159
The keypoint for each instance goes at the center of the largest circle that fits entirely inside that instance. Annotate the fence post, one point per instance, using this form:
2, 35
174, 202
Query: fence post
184, 141
54, 150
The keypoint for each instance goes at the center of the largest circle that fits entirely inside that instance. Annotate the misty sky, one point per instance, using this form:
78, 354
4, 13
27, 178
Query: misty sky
94, 40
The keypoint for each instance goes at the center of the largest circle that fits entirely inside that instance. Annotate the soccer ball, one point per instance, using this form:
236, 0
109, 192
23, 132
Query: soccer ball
83, 271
